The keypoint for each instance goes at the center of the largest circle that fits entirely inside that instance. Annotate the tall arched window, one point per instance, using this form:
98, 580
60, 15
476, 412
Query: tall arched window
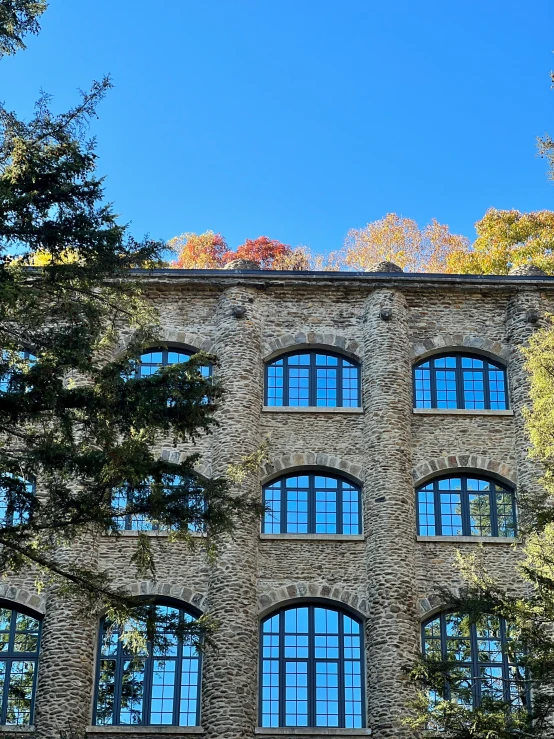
460, 381
160, 686
485, 663
466, 505
312, 504
311, 668
19, 652
126, 521
313, 378
10, 363
157, 357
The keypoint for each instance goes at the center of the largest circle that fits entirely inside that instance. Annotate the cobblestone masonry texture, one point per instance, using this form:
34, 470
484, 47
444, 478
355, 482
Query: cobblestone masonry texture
389, 578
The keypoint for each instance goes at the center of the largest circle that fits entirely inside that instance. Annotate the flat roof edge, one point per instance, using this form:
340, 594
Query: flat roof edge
344, 276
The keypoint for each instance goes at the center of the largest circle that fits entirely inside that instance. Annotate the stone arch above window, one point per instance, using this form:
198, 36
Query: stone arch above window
296, 461
311, 667
186, 340
312, 378
338, 595
464, 463
495, 350
310, 340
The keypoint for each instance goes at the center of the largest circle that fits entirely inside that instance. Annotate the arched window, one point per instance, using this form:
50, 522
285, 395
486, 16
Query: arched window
311, 668
154, 358
312, 504
313, 378
466, 505
19, 646
460, 381
15, 499
10, 364
158, 686
485, 663
122, 499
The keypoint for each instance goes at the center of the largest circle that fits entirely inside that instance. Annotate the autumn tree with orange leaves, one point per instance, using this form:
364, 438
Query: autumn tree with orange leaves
209, 250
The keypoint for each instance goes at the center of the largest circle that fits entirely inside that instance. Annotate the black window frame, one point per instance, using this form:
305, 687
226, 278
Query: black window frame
312, 474
464, 497
459, 380
475, 663
147, 697
311, 659
312, 390
165, 350
11, 656
9, 520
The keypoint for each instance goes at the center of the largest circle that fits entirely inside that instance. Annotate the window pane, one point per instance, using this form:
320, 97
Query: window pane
317, 642
350, 509
350, 385
480, 514
20, 693
272, 502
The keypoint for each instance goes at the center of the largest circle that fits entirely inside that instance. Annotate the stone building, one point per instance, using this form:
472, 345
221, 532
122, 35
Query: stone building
392, 404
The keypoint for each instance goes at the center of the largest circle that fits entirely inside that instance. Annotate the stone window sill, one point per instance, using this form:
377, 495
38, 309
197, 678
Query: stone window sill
469, 539
460, 412
311, 731
308, 409
4, 729
161, 534
313, 537
130, 729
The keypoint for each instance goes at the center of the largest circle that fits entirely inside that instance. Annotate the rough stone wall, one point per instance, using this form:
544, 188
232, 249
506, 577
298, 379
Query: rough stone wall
389, 579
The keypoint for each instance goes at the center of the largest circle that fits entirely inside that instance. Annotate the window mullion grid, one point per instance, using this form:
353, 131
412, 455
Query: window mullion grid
284, 508
286, 399
459, 374
148, 681
339, 382
119, 661
311, 505
438, 512
475, 665
505, 666
342, 686
178, 678
492, 508
312, 713
312, 381
464, 502
444, 653
35, 673
282, 671
339, 508
486, 387
433, 383
9, 660
514, 511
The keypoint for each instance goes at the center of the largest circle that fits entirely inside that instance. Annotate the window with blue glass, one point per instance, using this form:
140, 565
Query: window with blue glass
312, 504
19, 652
312, 669
313, 379
159, 685
466, 506
460, 381
123, 500
151, 361
12, 365
16, 496
485, 657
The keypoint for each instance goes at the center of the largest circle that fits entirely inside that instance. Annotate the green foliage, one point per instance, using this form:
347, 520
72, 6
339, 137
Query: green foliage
76, 419
531, 616
18, 18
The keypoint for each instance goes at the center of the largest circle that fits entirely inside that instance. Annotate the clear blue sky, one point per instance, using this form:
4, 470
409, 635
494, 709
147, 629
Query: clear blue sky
299, 119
